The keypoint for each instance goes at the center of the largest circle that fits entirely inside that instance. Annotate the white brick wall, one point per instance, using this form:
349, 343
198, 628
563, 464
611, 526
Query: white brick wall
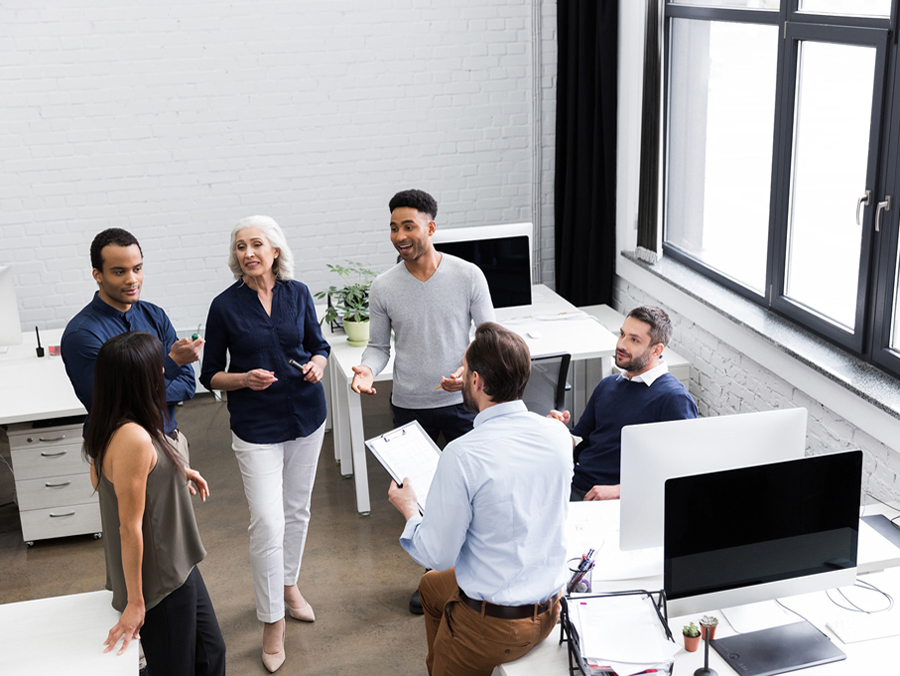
175, 119
725, 381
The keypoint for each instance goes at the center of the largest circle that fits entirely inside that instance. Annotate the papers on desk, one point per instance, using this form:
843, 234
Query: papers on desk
596, 525
408, 452
621, 634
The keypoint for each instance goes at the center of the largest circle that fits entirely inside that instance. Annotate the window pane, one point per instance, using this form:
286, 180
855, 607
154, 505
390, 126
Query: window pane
895, 330
848, 7
831, 145
744, 4
721, 117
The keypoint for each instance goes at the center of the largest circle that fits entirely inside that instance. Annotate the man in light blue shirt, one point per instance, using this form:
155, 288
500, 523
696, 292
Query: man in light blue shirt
494, 527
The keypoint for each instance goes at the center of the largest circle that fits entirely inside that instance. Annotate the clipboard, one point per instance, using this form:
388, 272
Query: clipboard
408, 451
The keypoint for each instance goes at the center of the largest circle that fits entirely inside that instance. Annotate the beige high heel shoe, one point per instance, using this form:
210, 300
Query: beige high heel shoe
304, 614
273, 661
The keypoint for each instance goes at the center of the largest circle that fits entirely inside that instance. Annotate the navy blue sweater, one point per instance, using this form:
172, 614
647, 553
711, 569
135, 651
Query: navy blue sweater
615, 403
239, 326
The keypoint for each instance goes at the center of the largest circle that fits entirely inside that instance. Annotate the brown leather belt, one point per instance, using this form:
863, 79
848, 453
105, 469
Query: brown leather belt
508, 612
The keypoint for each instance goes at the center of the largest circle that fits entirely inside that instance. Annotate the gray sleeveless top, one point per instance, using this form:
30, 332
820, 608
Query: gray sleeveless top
172, 544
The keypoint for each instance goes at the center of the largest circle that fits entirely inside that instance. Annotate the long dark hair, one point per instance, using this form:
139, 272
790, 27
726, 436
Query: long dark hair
128, 387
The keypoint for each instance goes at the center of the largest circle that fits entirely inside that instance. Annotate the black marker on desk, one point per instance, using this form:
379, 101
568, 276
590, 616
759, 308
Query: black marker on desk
38, 349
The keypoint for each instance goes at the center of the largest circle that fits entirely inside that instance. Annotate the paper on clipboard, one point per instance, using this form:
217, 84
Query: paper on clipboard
408, 452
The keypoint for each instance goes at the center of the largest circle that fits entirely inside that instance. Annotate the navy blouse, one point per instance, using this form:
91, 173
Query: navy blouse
238, 324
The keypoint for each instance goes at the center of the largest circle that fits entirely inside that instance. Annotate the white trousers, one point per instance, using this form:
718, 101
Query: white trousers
278, 482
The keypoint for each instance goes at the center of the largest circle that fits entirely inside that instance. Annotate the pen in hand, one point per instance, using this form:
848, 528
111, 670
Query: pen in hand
450, 377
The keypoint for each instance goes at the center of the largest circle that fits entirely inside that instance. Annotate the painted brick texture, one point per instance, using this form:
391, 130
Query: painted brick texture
174, 120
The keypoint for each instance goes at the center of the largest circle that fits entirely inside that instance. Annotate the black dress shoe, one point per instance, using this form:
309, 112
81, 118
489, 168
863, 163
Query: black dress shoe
415, 604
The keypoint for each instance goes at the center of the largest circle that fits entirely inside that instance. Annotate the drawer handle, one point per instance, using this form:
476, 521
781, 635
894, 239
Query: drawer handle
47, 441
53, 455
56, 516
61, 484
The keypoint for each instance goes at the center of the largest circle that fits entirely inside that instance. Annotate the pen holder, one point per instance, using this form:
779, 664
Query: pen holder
583, 584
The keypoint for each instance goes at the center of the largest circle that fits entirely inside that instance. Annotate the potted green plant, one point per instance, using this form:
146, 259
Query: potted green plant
350, 303
708, 623
691, 637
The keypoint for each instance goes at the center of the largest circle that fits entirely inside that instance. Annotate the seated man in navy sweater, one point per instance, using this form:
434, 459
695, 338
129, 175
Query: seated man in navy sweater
645, 393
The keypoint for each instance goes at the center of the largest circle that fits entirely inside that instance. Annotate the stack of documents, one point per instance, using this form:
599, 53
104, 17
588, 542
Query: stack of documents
621, 635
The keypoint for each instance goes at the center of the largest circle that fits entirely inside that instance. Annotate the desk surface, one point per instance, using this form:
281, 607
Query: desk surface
33, 388
62, 635
597, 523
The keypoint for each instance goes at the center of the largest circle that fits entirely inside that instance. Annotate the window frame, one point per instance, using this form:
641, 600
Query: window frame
878, 251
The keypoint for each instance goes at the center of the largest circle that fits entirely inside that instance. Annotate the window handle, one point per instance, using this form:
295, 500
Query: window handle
882, 206
864, 201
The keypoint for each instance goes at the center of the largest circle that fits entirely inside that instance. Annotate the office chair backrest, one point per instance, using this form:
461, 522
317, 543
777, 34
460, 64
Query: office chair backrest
546, 388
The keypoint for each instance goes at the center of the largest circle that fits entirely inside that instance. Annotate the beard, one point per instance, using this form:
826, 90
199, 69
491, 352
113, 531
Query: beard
635, 363
469, 402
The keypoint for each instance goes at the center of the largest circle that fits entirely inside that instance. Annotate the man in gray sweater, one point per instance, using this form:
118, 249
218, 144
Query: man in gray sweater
430, 300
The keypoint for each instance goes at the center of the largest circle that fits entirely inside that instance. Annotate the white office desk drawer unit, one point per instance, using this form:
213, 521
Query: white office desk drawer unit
53, 482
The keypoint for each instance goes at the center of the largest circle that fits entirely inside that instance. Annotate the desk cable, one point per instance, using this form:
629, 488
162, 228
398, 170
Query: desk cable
852, 607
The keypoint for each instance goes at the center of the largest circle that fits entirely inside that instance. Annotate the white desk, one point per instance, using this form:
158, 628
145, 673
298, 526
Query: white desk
561, 328
62, 635
35, 388
598, 522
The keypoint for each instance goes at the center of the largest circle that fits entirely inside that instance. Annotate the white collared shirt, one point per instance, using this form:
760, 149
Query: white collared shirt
648, 376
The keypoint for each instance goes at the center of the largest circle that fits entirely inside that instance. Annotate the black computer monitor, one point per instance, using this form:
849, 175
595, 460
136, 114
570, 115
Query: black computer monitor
503, 252
758, 533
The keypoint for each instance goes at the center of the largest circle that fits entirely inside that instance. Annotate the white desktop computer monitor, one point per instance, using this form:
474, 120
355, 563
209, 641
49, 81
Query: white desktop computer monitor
10, 327
752, 534
503, 252
653, 453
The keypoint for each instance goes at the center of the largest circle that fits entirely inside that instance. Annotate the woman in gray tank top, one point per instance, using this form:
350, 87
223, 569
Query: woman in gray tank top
151, 541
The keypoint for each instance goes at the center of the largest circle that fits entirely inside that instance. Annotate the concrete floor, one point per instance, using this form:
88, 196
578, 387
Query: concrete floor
355, 574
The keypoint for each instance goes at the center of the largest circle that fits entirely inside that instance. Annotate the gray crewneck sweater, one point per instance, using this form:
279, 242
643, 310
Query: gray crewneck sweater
431, 322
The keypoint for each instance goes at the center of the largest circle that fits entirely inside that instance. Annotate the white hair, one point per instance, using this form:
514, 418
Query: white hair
283, 266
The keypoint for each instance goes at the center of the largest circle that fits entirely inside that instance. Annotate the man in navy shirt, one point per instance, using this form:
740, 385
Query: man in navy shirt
118, 269
644, 393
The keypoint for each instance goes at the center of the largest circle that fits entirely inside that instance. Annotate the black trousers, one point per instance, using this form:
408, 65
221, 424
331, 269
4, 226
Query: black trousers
181, 636
453, 421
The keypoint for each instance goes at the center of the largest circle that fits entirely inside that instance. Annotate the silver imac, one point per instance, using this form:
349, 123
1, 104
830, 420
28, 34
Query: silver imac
10, 326
503, 252
658, 451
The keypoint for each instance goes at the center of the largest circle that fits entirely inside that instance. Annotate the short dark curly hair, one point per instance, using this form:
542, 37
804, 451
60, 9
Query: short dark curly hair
110, 236
414, 199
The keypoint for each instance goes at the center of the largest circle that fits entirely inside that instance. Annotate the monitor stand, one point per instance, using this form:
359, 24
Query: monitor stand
777, 649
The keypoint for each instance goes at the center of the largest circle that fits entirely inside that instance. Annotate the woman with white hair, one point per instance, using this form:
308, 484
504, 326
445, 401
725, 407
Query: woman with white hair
264, 321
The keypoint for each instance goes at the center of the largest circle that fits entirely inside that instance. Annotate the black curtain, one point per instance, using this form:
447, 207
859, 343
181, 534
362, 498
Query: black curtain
585, 193
648, 197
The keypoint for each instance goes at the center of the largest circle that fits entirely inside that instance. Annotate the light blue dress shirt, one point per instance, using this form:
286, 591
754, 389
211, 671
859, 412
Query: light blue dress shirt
497, 508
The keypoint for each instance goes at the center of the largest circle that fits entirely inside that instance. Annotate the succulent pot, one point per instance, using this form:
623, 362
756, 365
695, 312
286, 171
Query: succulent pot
712, 632
691, 643
357, 332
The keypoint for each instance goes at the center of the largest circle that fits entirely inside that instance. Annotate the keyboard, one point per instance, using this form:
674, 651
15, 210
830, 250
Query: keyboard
861, 627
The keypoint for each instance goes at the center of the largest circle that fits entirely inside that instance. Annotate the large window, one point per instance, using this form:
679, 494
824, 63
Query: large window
783, 161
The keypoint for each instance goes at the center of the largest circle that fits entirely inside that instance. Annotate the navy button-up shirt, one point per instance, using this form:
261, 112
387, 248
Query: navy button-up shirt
240, 334
98, 322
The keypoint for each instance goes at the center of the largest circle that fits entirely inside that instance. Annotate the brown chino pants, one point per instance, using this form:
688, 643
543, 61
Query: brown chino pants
465, 642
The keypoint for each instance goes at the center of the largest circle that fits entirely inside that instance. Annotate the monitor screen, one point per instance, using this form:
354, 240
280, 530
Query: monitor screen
10, 328
653, 453
757, 533
503, 252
